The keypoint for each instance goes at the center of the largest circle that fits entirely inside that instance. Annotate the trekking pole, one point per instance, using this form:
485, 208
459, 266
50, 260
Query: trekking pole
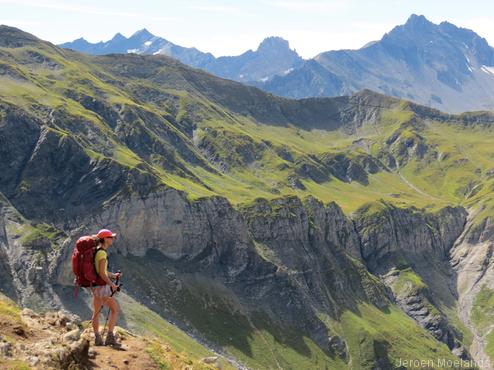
112, 293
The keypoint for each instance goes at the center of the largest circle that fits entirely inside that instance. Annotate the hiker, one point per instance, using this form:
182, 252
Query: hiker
102, 292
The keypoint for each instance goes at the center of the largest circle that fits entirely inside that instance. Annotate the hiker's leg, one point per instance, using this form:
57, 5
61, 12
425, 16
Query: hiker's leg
112, 303
97, 305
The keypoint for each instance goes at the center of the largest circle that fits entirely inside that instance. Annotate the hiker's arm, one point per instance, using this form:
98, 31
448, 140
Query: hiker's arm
103, 274
113, 275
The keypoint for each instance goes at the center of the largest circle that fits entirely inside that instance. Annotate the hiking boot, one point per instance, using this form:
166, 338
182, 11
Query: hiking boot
110, 339
98, 341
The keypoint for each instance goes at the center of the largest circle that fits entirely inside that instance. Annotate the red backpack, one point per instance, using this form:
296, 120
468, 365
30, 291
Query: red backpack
83, 263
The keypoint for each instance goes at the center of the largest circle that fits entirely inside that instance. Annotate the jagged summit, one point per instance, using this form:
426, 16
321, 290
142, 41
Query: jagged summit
118, 37
272, 57
142, 34
273, 42
442, 66
417, 21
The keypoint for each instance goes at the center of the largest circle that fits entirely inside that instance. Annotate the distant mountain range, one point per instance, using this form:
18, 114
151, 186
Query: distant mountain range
273, 56
443, 66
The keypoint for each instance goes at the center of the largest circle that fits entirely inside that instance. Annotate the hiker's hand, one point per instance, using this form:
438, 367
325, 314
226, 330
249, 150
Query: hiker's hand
117, 275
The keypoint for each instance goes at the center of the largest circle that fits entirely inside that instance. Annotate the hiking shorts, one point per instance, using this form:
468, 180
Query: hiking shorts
102, 291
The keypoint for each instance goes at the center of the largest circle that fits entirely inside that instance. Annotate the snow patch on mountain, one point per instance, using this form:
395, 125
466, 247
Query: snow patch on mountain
487, 69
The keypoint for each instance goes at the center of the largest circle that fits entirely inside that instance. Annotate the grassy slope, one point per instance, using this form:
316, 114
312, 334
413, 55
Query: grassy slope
376, 335
146, 322
212, 311
459, 176
371, 334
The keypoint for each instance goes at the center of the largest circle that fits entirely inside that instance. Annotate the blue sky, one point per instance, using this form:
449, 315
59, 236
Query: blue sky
232, 27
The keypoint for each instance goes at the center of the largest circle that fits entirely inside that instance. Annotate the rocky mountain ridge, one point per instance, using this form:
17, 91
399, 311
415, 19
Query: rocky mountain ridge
272, 57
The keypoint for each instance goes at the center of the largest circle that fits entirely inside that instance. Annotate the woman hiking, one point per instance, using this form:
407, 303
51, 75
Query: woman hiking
102, 292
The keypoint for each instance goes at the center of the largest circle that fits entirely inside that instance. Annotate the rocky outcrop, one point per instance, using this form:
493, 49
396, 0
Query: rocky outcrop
229, 150
390, 235
28, 253
410, 249
340, 166
45, 341
473, 262
418, 302
57, 340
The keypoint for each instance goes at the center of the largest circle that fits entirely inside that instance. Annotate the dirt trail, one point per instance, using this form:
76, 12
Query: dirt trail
131, 355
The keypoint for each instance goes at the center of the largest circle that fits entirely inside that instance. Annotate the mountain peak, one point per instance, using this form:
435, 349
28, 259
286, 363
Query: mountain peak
273, 42
417, 20
416, 27
143, 33
119, 37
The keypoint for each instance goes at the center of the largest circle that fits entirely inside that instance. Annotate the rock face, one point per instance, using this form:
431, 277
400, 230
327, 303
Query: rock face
419, 303
295, 252
410, 250
472, 260
273, 57
390, 235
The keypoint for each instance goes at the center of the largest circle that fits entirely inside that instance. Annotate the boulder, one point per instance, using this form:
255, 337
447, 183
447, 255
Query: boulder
210, 360
5, 349
72, 336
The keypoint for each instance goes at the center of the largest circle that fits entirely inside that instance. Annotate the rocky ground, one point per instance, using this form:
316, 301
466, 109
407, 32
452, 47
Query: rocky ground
59, 340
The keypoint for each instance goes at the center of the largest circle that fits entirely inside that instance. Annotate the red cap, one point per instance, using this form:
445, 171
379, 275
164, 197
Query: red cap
105, 233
